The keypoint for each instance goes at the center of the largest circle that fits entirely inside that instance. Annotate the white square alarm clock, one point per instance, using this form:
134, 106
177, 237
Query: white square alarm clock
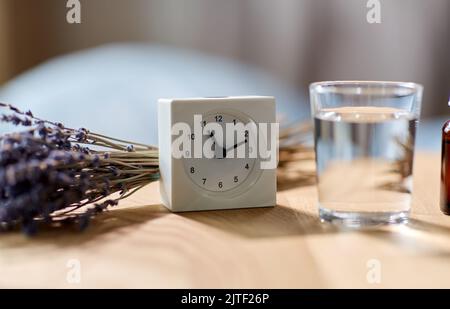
204, 168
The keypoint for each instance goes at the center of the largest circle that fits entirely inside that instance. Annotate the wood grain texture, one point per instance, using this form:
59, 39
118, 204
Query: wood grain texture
141, 244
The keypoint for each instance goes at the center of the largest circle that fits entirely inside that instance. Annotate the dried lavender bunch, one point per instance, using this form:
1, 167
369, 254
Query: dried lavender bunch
49, 172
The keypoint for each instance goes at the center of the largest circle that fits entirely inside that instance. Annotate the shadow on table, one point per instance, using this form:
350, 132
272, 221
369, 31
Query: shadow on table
110, 222
251, 223
295, 183
425, 226
416, 237
263, 222
270, 222
285, 221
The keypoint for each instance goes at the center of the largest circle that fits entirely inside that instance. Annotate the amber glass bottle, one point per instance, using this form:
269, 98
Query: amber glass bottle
445, 169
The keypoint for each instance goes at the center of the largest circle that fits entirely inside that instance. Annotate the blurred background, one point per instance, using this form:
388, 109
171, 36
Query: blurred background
213, 47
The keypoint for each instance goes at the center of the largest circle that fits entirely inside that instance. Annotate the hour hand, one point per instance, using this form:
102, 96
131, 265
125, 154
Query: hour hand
234, 147
237, 145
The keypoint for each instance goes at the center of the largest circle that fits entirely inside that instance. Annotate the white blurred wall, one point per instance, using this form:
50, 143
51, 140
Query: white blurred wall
297, 40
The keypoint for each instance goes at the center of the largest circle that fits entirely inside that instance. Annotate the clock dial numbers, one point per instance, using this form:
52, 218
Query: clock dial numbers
221, 173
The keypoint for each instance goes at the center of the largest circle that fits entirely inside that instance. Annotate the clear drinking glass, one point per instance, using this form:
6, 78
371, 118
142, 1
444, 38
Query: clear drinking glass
364, 141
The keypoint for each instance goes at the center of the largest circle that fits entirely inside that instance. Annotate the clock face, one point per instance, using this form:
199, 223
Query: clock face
222, 173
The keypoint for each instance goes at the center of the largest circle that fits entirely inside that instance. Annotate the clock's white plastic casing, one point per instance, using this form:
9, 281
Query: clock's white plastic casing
177, 190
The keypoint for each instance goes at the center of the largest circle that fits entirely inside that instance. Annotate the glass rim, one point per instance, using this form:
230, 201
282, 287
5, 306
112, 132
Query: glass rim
414, 87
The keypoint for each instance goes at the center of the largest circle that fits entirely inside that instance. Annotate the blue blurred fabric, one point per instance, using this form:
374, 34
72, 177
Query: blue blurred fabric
113, 89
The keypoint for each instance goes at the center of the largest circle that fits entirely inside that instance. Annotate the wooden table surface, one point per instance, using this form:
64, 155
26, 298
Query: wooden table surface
141, 244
